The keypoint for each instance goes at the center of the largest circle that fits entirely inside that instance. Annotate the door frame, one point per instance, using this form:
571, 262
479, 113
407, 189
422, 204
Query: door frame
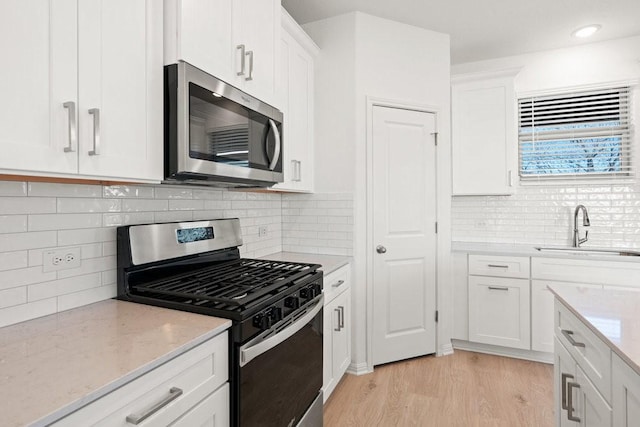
402, 105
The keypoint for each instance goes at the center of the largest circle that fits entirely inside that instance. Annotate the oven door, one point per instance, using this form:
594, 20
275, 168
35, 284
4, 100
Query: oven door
280, 373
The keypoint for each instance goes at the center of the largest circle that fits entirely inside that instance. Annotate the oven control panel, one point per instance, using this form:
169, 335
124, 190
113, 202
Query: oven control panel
276, 312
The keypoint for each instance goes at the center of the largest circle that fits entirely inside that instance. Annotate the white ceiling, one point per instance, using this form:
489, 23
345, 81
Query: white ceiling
483, 29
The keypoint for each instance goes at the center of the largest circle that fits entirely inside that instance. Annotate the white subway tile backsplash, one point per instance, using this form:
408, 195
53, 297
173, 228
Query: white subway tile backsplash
27, 205
13, 188
47, 189
55, 288
144, 205
13, 296
78, 299
39, 216
21, 241
128, 191
186, 205
24, 276
79, 237
13, 223
22, 312
64, 221
174, 193
13, 260
614, 211
113, 220
173, 216
87, 205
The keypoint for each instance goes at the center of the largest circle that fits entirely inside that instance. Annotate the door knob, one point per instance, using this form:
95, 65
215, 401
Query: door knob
381, 249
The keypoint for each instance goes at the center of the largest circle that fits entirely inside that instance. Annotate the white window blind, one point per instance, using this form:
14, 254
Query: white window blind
581, 134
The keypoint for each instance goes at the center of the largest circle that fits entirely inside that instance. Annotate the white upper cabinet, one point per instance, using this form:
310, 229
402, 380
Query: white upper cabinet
234, 40
484, 134
83, 91
38, 83
120, 91
295, 97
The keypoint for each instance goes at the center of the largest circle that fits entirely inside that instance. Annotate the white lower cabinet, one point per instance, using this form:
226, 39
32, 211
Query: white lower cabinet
336, 328
625, 394
582, 374
499, 311
191, 389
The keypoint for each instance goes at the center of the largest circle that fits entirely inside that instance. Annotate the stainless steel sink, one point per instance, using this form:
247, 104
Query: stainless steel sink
589, 251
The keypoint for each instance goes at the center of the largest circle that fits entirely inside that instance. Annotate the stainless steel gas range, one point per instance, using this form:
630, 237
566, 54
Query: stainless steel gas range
275, 343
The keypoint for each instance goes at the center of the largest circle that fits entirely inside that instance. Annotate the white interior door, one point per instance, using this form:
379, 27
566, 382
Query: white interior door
404, 216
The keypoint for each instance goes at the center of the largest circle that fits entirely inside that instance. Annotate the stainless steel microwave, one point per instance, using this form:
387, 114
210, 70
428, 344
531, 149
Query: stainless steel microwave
216, 134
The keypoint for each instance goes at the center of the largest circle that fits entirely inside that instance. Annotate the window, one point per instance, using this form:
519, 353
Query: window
581, 134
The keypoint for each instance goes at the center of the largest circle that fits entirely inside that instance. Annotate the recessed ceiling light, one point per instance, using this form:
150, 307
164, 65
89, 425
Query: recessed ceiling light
586, 31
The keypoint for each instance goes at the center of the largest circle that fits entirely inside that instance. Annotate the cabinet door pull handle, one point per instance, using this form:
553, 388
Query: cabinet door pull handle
136, 419
338, 283
73, 127
299, 170
564, 389
250, 76
341, 316
337, 329
241, 48
497, 266
570, 409
510, 178
568, 335
95, 112
498, 288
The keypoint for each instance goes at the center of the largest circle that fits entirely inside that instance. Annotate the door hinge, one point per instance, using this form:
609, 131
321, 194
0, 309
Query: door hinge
435, 138
436, 316
436, 227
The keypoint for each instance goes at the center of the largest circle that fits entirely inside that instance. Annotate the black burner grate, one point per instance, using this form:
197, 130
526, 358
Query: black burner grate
232, 285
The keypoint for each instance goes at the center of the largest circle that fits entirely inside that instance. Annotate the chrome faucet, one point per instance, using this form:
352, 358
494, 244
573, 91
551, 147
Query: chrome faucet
577, 241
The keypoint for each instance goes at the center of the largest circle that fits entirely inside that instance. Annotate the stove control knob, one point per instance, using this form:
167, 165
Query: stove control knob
275, 314
262, 321
292, 302
317, 287
306, 293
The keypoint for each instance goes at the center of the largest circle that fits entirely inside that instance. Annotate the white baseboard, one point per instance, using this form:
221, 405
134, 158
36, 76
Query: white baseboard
536, 356
359, 369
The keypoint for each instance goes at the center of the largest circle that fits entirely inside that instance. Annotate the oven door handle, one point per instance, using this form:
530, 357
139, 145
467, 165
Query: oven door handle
249, 352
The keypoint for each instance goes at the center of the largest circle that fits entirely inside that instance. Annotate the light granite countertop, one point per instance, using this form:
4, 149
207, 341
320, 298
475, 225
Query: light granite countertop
612, 314
329, 263
53, 365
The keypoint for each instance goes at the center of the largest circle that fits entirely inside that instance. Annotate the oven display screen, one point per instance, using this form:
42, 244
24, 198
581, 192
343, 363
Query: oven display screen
189, 235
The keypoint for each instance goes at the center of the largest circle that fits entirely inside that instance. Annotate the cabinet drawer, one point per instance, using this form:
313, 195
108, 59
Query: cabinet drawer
499, 266
196, 373
589, 352
586, 271
336, 282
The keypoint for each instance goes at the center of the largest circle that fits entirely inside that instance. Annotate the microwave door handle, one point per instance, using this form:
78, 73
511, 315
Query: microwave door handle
248, 352
276, 151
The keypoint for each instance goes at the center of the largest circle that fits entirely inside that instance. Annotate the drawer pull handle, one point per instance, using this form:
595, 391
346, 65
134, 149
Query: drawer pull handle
136, 419
569, 337
497, 266
338, 283
570, 409
564, 389
498, 288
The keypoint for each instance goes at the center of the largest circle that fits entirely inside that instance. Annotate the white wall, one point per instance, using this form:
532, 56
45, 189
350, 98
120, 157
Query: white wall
369, 57
543, 214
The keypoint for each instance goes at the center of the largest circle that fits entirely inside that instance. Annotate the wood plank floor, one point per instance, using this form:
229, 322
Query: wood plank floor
463, 389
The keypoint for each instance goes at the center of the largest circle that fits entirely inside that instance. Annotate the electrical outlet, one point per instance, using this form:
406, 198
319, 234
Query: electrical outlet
61, 259
262, 231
